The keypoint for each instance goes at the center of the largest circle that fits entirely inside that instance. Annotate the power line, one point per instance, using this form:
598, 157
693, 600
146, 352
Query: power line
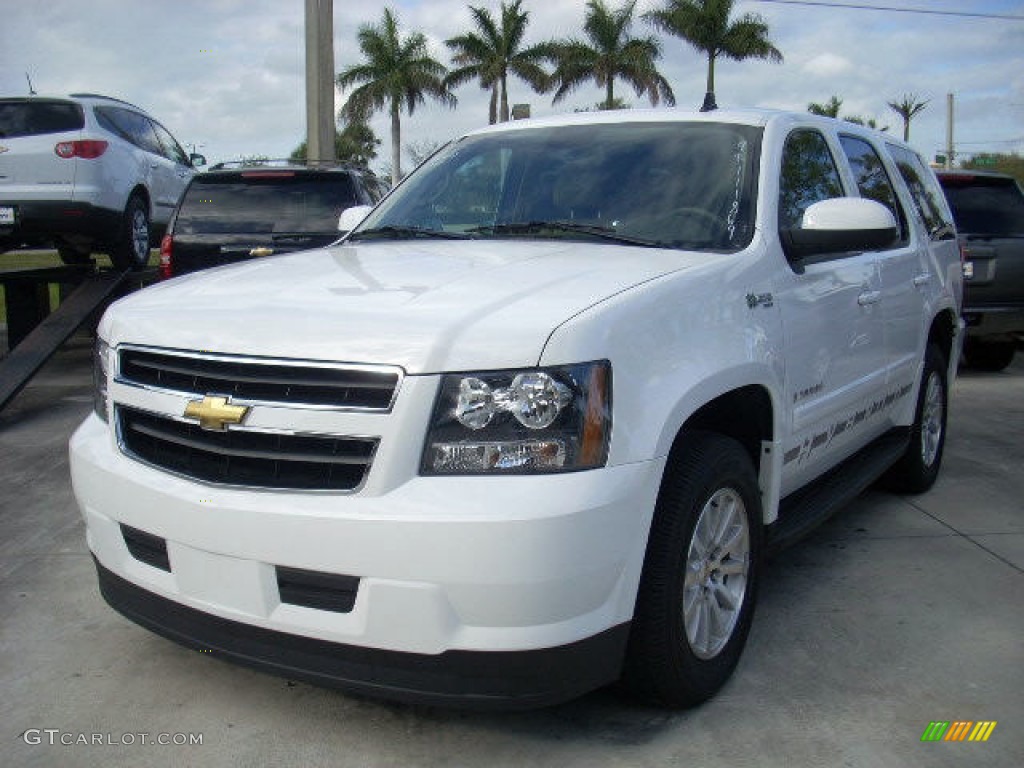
858, 7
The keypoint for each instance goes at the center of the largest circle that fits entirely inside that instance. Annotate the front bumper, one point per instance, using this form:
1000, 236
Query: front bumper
466, 679
481, 591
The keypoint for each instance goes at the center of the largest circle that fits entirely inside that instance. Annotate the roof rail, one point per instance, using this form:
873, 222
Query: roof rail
108, 98
284, 163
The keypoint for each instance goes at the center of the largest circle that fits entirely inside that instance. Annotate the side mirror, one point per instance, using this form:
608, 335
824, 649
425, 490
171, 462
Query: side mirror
839, 225
351, 217
198, 161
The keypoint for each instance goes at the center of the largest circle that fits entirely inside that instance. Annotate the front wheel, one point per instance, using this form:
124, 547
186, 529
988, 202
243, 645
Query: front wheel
131, 251
916, 471
700, 577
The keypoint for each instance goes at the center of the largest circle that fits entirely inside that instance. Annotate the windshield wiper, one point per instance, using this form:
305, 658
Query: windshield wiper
536, 227
392, 232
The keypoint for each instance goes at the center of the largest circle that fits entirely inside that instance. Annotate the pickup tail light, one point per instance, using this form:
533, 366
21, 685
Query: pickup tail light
166, 269
87, 149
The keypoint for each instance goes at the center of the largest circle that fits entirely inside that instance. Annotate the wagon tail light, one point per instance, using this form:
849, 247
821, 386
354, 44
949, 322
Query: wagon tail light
87, 149
166, 269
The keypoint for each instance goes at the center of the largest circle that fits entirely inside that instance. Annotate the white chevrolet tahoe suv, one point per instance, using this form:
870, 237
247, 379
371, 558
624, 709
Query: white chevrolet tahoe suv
532, 426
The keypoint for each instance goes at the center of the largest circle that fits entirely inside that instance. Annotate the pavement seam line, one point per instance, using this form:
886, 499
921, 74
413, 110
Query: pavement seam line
968, 537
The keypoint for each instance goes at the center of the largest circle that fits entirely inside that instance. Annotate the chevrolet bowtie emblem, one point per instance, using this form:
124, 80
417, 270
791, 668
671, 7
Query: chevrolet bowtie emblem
215, 413
261, 252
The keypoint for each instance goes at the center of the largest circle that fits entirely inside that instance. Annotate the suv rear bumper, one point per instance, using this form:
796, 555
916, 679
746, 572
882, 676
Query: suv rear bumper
38, 222
994, 323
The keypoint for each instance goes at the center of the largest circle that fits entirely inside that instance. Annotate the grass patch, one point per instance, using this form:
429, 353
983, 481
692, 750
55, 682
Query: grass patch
42, 259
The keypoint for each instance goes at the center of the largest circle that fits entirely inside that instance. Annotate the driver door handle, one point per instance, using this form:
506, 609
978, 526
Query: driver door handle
869, 297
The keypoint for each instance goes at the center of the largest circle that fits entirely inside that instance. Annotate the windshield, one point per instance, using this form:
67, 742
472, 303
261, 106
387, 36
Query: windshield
669, 185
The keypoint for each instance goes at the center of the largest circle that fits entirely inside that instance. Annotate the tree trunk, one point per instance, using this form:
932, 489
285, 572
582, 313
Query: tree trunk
492, 112
609, 93
396, 144
504, 99
709, 96
906, 129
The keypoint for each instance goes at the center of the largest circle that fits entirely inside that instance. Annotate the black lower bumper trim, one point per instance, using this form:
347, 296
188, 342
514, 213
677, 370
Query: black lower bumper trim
498, 680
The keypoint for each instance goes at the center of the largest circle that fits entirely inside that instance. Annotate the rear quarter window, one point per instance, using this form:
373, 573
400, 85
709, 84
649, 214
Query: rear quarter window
36, 118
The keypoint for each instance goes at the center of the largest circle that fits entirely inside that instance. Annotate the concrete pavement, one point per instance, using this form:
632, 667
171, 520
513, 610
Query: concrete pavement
898, 612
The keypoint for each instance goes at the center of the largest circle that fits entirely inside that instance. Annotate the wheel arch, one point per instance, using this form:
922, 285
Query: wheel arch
749, 414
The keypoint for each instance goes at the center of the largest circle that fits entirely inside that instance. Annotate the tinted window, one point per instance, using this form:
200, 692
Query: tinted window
673, 185
130, 126
171, 148
927, 195
871, 177
986, 205
808, 176
265, 203
35, 118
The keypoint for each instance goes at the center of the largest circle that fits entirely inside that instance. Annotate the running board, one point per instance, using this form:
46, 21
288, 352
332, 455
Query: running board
29, 355
804, 510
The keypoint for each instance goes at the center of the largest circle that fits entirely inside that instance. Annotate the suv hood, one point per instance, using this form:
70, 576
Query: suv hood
425, 306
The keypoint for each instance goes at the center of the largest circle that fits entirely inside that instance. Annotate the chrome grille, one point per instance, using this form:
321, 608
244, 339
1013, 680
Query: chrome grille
245, 457
299, 383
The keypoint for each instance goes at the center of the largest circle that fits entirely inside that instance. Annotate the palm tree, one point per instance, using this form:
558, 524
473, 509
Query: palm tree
907, 109
493, 51
609, 53
829, 109
705, 25
398, 73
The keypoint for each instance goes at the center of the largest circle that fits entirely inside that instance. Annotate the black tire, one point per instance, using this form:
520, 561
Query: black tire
71, 255
662, 663
131, 250
916, 471
989, 355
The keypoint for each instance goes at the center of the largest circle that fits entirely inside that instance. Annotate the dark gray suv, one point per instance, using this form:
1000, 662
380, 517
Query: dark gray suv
989, 213
236, 212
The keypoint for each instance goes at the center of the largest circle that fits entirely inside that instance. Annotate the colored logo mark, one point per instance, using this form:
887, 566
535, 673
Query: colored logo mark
959, 730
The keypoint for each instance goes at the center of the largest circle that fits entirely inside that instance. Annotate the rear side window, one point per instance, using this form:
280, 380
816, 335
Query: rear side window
36, 118
130, 126
927, 195
809, 175
265, 203
986, 205
872, 180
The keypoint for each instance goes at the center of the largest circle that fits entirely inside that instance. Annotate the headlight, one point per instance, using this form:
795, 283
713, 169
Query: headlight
517, 422
100, 374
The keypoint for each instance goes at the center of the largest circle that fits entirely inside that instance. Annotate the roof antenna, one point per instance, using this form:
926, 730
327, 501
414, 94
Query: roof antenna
31, 90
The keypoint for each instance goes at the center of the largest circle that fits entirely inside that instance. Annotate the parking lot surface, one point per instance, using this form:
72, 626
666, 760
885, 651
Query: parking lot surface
898, 612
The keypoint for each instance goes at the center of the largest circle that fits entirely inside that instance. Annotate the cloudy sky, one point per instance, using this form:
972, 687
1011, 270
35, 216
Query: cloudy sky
228, 75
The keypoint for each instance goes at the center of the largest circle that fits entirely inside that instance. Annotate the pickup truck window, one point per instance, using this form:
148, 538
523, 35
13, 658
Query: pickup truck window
666, 185
809, 175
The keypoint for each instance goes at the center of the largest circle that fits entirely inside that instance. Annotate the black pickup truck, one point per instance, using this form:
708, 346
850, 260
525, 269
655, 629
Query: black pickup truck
989, 212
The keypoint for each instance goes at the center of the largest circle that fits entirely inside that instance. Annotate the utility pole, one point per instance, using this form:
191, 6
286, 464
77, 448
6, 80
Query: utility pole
320, 80
949, 131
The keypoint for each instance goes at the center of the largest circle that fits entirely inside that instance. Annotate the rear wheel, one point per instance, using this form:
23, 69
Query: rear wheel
131, 250
700, 577
916, 471
989, 355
